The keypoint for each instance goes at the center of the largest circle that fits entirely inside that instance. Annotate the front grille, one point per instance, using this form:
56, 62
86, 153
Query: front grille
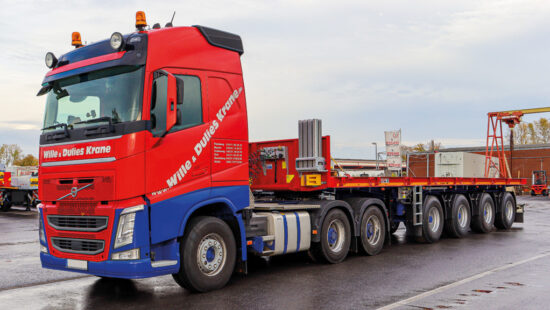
80, 246
78, 223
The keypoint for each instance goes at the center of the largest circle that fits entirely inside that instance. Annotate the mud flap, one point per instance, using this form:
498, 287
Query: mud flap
519, 213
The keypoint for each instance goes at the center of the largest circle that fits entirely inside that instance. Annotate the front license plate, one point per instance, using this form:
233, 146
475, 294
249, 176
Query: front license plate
77, 264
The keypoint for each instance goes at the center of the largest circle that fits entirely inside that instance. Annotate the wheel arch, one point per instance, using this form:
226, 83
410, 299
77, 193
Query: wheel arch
360, 204
319, 215
223, 209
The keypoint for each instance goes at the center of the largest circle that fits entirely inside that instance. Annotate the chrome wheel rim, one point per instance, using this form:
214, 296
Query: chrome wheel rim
211, 254
462, 216
433, 219
487, 212
509, 210
336, 235
373, 230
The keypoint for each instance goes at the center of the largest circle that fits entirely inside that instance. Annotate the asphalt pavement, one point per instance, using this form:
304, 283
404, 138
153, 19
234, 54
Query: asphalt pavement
500, 270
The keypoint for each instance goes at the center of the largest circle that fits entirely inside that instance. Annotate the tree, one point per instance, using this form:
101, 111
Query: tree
532, 133
10, 153
28, 160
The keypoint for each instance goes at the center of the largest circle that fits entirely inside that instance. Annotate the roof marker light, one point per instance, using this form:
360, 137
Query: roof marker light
77, 41
140, 20
117, 41
51, 60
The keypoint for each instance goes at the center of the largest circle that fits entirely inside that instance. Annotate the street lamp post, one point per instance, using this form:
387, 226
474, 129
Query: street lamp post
376, 153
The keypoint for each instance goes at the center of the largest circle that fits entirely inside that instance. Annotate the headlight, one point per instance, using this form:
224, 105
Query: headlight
126, 255
41, 230
125, 230
51, 61
43, 249
117, 41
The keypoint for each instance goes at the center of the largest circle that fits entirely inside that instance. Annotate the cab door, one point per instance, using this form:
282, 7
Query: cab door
177, 162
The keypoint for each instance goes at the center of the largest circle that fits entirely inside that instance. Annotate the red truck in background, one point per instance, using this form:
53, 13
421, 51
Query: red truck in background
146, 170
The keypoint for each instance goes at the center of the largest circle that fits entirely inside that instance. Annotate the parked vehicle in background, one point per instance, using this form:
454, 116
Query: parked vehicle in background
18, 186
539, 184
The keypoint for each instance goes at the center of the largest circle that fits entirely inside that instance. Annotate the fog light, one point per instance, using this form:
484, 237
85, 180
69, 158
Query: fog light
126, 255
117, 41
43, 249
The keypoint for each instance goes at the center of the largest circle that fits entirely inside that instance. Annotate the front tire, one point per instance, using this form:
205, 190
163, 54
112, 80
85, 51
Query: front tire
507, 213
373, 230
335, 238
207, 255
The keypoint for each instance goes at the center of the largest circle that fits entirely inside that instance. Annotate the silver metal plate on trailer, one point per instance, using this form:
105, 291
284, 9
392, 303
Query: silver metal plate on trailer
267, 206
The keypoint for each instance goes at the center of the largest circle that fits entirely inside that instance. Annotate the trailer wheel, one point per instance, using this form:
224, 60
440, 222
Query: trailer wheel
507, 213
459, 223
432, 221
207, 255
335, 238
483, 221
373, 230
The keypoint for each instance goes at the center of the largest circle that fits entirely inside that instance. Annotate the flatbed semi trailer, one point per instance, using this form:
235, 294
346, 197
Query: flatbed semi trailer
146, 169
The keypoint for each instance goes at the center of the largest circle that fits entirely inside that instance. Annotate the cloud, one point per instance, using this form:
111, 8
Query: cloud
432, 68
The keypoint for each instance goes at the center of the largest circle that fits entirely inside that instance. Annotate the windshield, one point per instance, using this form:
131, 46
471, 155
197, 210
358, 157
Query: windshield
112, 94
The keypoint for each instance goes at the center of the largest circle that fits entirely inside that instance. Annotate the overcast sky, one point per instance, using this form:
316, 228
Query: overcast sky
430, 68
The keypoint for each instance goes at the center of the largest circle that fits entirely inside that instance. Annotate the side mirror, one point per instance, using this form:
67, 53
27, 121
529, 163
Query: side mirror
164, 96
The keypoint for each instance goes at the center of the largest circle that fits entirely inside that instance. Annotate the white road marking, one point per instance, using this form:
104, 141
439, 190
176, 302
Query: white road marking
407, 301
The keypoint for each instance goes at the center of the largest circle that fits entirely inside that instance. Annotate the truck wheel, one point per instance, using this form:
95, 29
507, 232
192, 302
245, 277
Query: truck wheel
544, 193
507, 213
373, 230
483, 221
432, 220
533, 193
458, 225
335, 238
207, 255
394, 226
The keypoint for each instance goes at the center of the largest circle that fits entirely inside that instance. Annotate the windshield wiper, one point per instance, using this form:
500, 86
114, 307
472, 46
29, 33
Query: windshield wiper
55, 126
97, 120
59, 135
98, 129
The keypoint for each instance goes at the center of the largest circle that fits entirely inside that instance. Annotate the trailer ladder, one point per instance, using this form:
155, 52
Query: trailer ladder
417, 205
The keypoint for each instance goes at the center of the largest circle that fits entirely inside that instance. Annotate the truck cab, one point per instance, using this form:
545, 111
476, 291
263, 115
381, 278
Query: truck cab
143, 133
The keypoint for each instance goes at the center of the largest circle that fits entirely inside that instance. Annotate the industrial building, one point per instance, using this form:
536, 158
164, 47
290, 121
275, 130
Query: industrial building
524, 160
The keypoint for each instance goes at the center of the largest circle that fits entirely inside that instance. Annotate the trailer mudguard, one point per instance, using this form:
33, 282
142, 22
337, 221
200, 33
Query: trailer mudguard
318, 215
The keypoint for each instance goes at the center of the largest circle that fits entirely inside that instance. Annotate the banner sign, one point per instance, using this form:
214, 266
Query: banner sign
393, 150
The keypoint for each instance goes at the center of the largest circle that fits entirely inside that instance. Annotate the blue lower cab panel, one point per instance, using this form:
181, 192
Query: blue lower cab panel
168, 216
130, 269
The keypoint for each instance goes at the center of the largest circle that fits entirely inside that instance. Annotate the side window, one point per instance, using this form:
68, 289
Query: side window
190, 111
158, 104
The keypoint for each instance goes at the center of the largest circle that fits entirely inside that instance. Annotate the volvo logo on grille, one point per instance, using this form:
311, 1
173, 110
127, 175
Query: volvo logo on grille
74, 191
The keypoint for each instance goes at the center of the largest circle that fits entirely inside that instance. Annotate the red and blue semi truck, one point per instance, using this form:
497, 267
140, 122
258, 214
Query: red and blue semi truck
146, 170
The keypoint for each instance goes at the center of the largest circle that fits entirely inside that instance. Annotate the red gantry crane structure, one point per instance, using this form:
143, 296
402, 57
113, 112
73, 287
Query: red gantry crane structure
495, 140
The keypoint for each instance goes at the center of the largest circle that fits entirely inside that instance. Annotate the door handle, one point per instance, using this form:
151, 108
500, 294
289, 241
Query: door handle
199, 172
